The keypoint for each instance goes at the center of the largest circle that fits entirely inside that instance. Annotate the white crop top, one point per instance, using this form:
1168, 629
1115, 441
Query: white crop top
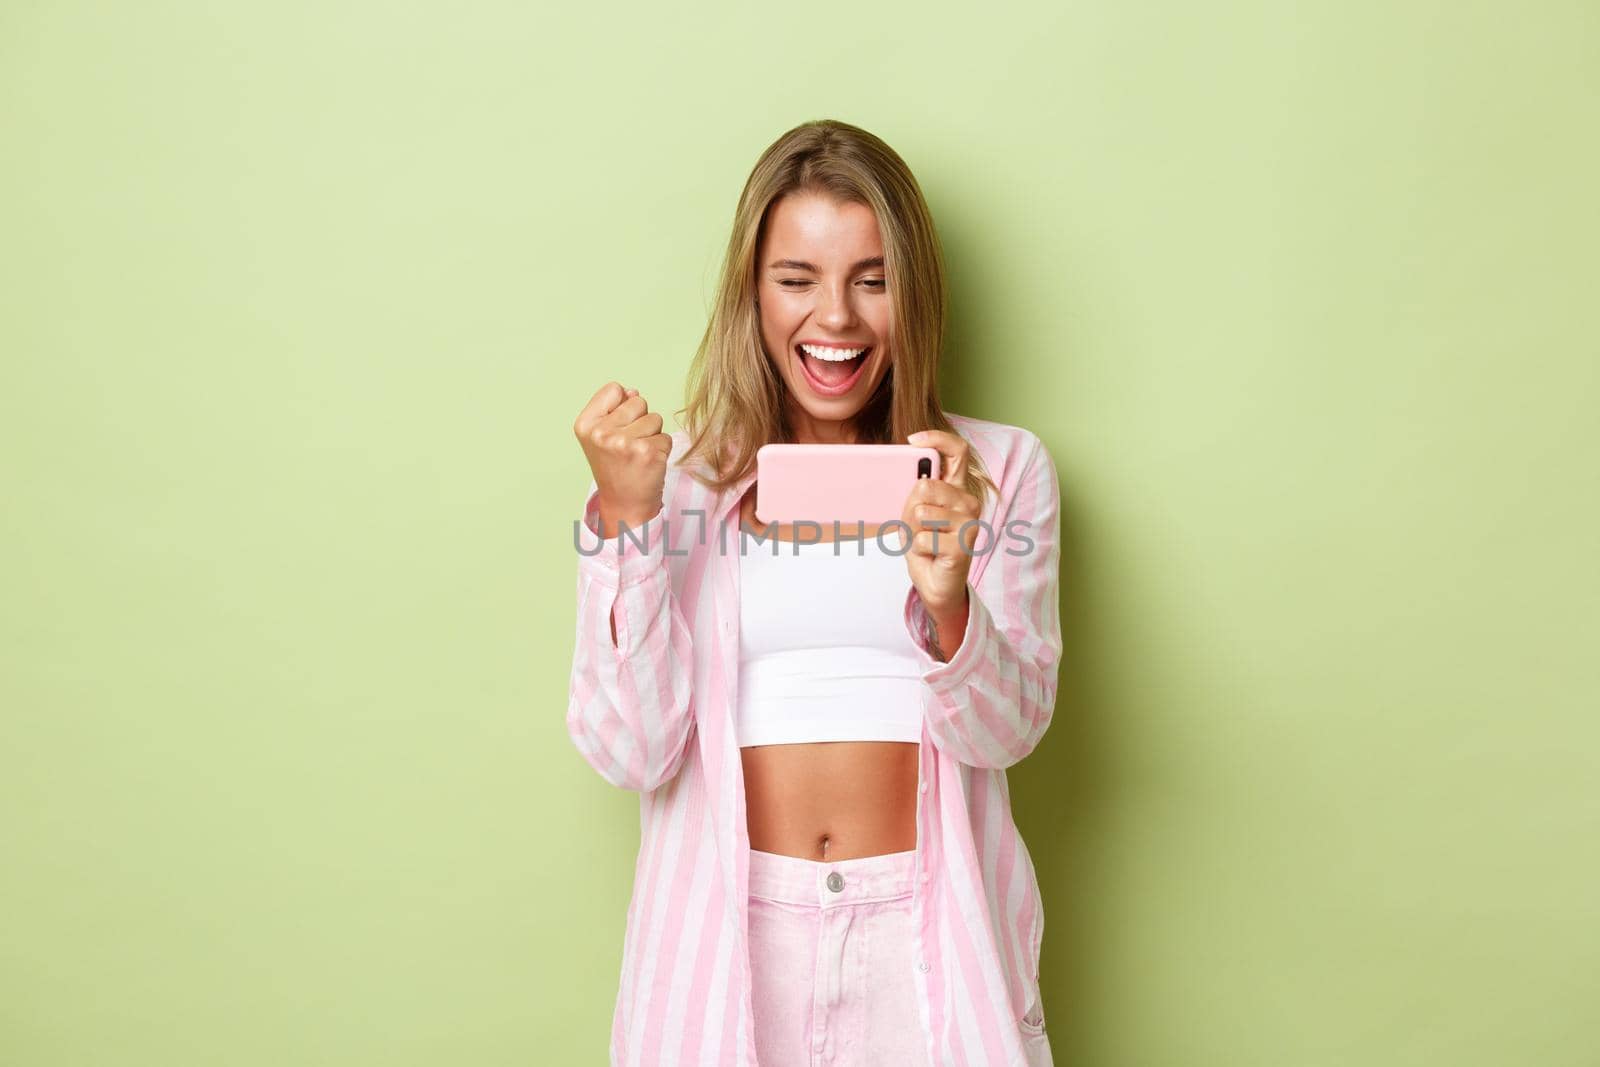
824, 654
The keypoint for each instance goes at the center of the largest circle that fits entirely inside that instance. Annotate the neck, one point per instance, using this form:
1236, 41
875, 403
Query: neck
811, 431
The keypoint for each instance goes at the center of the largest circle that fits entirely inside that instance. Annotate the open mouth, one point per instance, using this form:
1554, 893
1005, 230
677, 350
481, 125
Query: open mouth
832, 371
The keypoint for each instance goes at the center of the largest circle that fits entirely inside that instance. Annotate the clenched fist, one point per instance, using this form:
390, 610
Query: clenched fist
627, 452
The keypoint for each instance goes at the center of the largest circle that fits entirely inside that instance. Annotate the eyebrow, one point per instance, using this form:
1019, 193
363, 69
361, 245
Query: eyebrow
800, 264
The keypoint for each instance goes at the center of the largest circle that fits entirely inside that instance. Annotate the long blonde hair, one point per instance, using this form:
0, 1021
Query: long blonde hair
735, 399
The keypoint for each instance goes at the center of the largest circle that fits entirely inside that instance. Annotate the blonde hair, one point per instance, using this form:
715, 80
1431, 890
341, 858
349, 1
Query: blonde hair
736, 401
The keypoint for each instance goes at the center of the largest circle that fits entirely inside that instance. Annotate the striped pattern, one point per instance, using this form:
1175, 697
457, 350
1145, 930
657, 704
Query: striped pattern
654, 713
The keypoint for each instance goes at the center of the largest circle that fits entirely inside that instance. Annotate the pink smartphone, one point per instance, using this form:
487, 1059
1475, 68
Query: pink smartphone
848, 483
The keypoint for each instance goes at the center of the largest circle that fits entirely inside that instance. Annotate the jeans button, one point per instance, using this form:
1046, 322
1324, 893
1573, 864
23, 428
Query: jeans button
835, 881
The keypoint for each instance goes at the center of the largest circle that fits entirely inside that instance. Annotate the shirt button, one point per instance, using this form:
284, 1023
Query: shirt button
923, 788
835, 881
923, 966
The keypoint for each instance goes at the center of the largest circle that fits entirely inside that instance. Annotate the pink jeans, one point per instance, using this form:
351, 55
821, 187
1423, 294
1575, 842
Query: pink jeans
832, 961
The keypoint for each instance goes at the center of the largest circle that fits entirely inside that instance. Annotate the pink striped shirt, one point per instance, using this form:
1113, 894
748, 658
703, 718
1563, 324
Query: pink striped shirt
654, 713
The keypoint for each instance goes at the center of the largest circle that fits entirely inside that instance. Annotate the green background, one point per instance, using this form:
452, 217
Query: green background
298, 304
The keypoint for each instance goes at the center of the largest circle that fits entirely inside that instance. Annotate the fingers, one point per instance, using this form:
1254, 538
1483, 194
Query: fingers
940, 544
926, 492
624, 414
604, 401
952, 449
941, 493
616, 407
925, 516
940, 506
640, 445
644, 426
950, 524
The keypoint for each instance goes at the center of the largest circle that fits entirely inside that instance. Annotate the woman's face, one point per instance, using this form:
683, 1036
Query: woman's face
821, 282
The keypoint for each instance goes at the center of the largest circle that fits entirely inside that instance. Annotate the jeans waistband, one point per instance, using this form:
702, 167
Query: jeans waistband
811, 883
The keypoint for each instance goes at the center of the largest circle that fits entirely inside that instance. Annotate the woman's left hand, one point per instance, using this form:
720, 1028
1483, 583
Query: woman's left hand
941, 552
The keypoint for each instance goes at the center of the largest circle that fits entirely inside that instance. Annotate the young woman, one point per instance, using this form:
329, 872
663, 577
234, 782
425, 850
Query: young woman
828, 869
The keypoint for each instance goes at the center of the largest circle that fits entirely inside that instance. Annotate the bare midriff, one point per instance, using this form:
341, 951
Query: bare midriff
828, 800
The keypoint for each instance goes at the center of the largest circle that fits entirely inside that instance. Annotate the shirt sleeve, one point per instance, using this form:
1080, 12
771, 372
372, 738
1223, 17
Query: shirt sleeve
991, 702
628, 709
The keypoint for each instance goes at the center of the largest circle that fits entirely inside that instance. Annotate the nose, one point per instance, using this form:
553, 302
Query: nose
834, 309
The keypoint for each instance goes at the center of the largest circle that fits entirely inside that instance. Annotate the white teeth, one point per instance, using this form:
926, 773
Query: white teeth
834, 355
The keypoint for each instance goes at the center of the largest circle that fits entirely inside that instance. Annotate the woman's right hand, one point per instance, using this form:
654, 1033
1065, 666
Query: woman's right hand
627, 453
